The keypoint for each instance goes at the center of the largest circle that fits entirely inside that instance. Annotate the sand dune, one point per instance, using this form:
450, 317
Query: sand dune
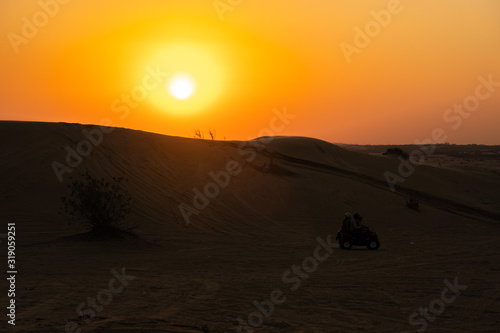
284, 194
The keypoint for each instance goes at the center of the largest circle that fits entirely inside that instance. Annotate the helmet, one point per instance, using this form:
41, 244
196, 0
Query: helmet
348, 215
356, 216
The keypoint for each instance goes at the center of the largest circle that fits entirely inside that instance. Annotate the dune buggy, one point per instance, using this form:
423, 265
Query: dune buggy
365, 236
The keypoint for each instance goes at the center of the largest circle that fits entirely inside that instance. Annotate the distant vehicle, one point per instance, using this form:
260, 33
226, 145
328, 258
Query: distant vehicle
364, 237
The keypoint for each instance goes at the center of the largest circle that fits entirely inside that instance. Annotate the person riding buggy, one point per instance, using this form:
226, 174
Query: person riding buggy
353, 232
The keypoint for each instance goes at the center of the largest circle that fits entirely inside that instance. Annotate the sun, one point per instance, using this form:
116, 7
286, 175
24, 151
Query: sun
193, 79
181, 86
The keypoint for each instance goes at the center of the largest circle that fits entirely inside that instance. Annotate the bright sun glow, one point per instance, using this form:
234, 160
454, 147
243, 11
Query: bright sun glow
194, 78
181, 86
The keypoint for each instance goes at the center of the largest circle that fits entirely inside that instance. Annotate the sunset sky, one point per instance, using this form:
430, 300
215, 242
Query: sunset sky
85, 60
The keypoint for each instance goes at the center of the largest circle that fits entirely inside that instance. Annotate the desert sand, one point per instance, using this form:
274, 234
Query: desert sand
205, 275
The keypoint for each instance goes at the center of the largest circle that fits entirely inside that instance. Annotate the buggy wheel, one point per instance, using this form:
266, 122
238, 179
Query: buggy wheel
374, 244
345, 244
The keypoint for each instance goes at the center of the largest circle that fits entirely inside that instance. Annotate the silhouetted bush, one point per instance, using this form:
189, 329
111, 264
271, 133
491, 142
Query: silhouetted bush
199, 134
397, 152
213, 134
413, 203
98, 205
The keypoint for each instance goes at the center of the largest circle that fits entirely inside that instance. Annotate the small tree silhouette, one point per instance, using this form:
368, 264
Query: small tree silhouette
413, 203
397, 152
213, 134
198, 134
98, 205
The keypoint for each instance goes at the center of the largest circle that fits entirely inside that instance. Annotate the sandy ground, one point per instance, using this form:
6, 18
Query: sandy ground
205, 276
471, 158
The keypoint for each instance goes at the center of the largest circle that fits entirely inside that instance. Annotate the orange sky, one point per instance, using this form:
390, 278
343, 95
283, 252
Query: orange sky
421, 59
